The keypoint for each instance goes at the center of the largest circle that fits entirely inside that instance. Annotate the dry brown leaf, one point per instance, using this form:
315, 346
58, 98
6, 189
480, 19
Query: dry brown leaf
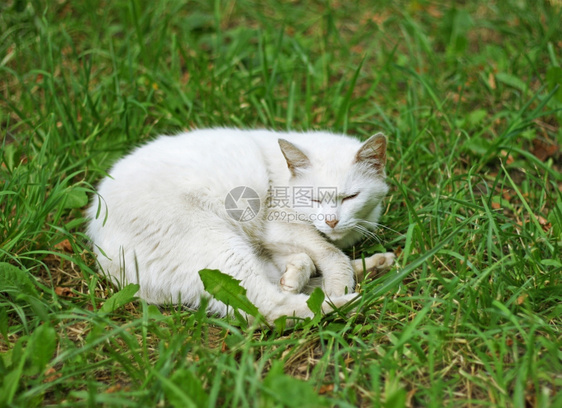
377, 18
51, 375
544, 149
113, 388
64, 246
492, 80
506, 195
508, 158
358, 49
326, 388
433, 11
546, 226
62, 291
410, 396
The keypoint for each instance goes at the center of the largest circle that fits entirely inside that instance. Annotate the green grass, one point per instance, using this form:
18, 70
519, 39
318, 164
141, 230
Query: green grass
470, 98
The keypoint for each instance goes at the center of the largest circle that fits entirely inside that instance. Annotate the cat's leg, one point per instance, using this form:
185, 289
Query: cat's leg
298, 270
167, 267
335, 267
273, 302
228, 250
376, 262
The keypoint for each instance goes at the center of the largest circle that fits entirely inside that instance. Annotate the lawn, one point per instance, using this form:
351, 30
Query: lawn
470, 97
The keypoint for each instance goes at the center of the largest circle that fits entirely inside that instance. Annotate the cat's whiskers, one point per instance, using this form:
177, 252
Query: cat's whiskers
377, 225
366, 232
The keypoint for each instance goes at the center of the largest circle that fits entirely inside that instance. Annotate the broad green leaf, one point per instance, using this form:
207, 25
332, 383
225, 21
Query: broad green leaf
154, 312
280, 324
10, 155
42, 345
475, 117
38, 304
554, 78
227, 290
76, 197
187, 388
458, 22
20, 286
314, 302
11, 380
551, 262
124, 296
4, 322
280, 388
14, 277
512, 81
175, 394
395, 393
477, 145
10, 384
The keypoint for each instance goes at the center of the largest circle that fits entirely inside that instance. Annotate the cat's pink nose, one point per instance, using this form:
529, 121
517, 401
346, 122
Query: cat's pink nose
332, 223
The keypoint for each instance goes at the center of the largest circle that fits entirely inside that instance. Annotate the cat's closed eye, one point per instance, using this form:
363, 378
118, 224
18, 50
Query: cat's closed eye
349, 197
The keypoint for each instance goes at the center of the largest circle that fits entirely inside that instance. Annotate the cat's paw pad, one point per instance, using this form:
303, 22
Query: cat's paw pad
298, 271
289, 284
375, 262
383, 261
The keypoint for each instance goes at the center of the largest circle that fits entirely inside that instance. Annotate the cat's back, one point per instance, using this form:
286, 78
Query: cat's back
212, 160
171, 178
194, 150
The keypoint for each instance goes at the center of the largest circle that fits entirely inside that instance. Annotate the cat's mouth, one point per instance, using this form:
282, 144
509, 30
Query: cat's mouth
336, 235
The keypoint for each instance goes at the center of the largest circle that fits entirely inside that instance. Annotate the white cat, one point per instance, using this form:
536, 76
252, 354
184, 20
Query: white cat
270, 209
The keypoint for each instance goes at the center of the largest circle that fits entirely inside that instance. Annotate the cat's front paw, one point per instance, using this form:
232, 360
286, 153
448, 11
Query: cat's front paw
376, 262
338, 286
298, 271
381, 261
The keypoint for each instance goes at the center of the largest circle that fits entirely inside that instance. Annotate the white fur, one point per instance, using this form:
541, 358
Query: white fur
162, 218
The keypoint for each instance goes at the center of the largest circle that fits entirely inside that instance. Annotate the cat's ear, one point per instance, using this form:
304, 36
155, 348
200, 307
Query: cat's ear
296, 159
373, 152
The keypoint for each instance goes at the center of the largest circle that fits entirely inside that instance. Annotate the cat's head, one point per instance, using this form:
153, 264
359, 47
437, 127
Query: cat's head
338, 187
